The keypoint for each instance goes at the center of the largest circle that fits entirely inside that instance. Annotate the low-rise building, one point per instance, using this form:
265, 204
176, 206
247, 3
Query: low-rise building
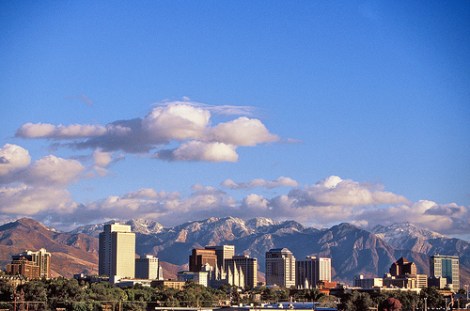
200, 277
179, 285
362, 282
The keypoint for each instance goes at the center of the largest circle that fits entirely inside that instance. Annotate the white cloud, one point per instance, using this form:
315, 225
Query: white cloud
46, 130
201, 151
178, 121
102, 158
53, 170
13, 158
336, 191
182, 124
259, 182
255, 202
101, 161
28, 201
242, 132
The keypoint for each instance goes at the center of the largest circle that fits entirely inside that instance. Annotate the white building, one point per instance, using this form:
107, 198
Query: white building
200, 277
117, 251
362, 282
148, 267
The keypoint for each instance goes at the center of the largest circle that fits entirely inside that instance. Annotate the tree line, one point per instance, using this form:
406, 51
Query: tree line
70, 294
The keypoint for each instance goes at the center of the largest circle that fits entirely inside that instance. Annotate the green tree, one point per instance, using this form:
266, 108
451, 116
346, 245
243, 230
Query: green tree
356, 301
6, 291
434, 298
327, 301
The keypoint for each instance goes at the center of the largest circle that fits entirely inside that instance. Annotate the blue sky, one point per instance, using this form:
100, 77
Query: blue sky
345, 111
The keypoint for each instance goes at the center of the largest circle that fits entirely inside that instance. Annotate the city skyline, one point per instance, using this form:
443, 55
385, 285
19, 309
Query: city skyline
318, 112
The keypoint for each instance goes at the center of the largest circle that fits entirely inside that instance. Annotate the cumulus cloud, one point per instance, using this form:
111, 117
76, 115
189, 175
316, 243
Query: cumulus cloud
182, 123
242, 132
53, 171
28, 200
38, 188
259, 182
201, 151
176, 122
325, 203
12, 159
336, 191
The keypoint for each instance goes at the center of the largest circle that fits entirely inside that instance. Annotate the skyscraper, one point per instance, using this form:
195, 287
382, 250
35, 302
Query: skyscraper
280, 267
222, 252
117, 251
148, 267
202, 257
245, 268
447, 267
312, 270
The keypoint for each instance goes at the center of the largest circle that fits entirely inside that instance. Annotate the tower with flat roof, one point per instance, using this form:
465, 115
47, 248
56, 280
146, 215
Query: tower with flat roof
117, 251
443, 266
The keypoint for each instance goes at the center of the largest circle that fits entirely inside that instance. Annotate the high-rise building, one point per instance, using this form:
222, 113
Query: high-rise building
200, 258
446, 267
222, 252
280, 267
117, 251
312, 270
242, 271
40, 258
148, 267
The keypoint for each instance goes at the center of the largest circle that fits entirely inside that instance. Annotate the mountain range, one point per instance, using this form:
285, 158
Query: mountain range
353, 250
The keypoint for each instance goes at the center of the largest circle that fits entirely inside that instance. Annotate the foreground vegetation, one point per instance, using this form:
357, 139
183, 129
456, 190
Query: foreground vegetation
72, 295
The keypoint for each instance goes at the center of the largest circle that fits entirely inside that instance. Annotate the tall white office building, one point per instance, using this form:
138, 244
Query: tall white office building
117, 251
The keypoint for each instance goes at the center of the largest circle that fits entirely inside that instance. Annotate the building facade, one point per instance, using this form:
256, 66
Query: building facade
24, 266
200, 258
40, 258
148, 267
446, 267
403, 267
117, 251
312, 270
280, 267
200, 277
222, 252
242, 271
367, 283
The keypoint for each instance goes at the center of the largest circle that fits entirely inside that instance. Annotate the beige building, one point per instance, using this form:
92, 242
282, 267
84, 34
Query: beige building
280, 267
148, 267
362, 282
312, 270
117, 251
200, 277
242, 271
